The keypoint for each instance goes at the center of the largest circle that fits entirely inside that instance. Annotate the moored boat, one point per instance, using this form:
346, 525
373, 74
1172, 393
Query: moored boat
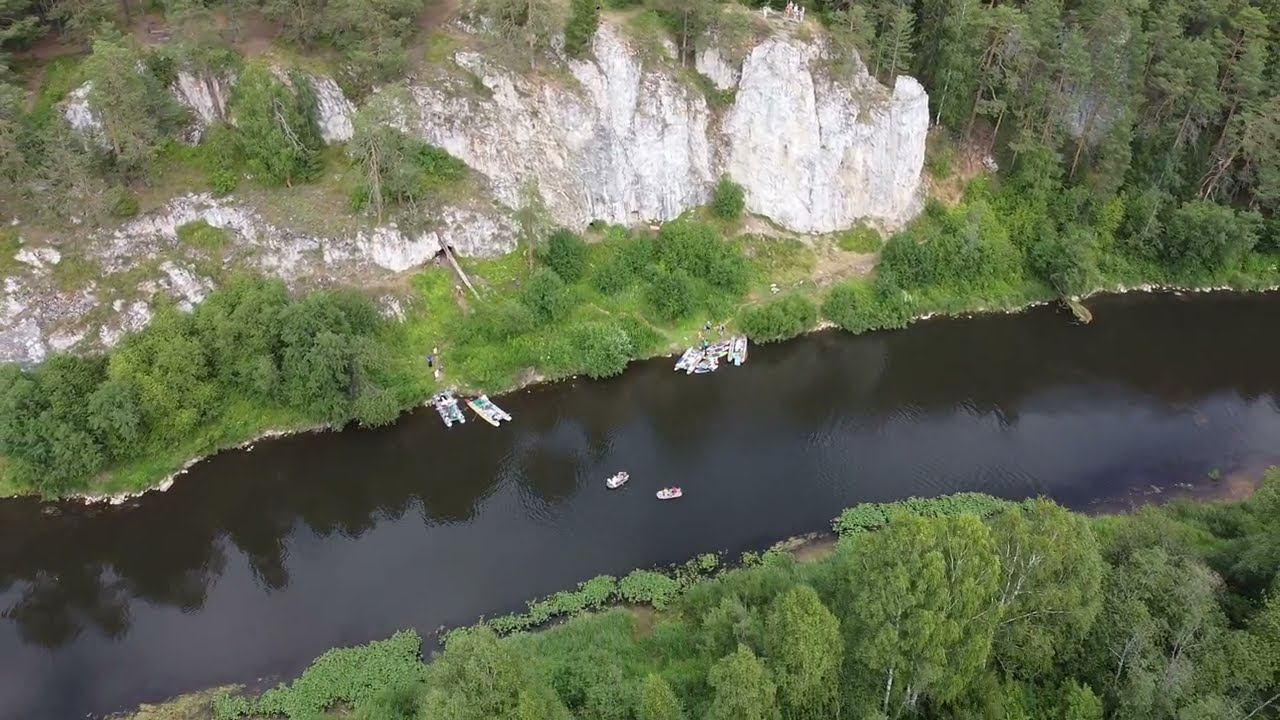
708, 363
617, 480
738, 354
670, 493
688, 359
447, 406
487, 411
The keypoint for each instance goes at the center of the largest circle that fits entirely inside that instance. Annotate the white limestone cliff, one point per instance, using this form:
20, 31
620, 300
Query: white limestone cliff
620, 145
816, 155
627, 143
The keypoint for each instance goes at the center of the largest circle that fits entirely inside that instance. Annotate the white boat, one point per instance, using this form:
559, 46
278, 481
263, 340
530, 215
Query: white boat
738, 354
688, 359
487, 411
670, 493
447, 405
616, 481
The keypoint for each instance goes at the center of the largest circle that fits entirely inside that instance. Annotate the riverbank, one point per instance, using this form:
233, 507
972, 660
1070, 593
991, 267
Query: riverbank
358, 679
589, 308
140, 478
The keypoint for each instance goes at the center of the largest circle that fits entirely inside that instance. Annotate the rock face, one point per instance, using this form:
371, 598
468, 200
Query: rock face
815, 155
629, 144
333, 109
711, 63
623, 145
37, 316
206, 96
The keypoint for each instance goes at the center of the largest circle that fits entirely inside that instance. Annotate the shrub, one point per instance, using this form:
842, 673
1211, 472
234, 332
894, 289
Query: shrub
1203, 236
276, 126
649, 587
696, 249
965, 246
566, 254
1067, 260
603, 348
355, 675
670, 294
202, 236
581, 27
727, 201
546, 296
780, 319
222, 160
869, 516
857, 307
122, 202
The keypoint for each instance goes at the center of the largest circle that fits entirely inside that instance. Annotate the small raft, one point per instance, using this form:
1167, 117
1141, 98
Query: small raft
487, 411
447, 406
617, 480
670, 493
689, 359
738, 352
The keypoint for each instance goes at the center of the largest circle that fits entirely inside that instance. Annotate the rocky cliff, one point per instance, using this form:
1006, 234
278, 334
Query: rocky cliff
625, 143
621, 137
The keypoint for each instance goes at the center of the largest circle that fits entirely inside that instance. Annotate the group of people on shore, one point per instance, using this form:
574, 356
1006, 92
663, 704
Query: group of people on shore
793, 12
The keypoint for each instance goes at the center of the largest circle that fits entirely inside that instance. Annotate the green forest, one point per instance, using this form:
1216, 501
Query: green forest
961, 607
1138, 144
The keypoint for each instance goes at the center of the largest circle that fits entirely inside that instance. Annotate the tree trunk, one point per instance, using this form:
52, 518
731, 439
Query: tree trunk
1084, 137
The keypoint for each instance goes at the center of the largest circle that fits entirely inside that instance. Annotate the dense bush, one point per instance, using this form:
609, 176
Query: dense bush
64, 422
870, 516
604, 348
779, 319
858, 306
566, 254
546, 296
581, 28
1207, 237
357, 676
727, 200
276, 126
630, 261
965, 247
671, 295
648, 587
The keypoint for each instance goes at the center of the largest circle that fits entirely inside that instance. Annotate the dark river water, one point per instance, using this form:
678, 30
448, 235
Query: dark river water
257, 561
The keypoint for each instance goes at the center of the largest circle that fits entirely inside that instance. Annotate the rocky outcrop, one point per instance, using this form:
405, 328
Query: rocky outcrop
75, 109
621, 145
815, 155
333, 110
37, 316
625, 143
205, 95
711, 64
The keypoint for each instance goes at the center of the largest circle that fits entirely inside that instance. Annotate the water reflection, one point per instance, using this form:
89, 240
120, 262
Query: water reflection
471, 521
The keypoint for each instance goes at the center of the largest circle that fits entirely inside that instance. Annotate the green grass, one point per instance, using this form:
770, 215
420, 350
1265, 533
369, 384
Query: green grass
202, 236
9, 247
61, 76
860, 239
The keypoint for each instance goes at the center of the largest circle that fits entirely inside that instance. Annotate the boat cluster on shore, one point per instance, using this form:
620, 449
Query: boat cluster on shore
446, 404
706, 357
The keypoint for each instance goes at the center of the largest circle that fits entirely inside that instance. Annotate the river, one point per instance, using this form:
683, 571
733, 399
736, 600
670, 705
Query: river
256, 561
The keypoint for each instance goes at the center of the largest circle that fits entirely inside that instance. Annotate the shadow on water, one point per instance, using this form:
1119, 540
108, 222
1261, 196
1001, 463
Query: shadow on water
258, 560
